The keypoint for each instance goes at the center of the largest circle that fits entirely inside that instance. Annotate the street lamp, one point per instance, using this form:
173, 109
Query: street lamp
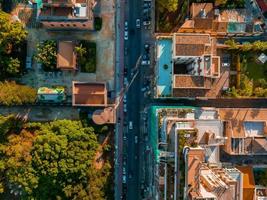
125, 89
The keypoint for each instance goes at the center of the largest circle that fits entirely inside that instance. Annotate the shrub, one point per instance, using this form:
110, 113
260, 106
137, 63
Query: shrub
14, 94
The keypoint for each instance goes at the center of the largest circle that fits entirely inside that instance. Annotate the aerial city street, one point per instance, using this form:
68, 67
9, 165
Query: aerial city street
133, 99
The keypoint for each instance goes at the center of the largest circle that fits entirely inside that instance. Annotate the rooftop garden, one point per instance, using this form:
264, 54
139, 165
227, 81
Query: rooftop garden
249, 77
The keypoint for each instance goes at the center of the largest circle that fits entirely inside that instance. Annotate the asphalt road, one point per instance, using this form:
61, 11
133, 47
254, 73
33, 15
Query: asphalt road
132, 12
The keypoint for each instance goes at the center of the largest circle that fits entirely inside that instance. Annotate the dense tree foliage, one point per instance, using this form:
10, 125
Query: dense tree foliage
14, 94
47, 55
257, 46
168, 5
51, 161
12, 34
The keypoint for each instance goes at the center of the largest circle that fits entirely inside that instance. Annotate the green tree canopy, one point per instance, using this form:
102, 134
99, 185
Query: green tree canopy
169, 5
52, 161
12, 34
47, 55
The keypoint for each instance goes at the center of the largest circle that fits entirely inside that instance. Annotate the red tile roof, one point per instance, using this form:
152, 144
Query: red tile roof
262, 4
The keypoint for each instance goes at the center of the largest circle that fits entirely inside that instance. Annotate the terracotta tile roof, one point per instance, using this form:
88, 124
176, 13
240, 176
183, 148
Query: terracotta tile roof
192, 39
66, 57
205, 24
191, 45
190, 49
187, 81
185, 92
89, 94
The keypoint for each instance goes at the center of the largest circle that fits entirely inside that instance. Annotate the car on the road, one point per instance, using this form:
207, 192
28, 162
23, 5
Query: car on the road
147, 48
125, 81
124, 107
146, 23
124, 138
125, 99
124, 179
226, 64
126, 35
126, 26
135, 139
130, 125
145, 60
138, 25
123, 171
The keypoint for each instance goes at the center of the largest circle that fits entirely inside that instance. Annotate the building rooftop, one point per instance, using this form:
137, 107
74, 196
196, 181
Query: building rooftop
89, 94
66, 56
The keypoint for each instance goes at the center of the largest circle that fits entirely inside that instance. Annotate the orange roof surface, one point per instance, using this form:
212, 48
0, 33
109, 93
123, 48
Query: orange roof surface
195, 158
89, 94
66, 57
248, 181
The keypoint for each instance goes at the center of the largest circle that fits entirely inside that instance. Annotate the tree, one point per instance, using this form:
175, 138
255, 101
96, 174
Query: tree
233, 45
13, 67
14, 94
80, 50
47, 54
169, 5
53, 161
12, 34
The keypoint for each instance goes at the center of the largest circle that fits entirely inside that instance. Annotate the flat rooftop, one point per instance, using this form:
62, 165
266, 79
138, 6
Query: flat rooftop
89, 94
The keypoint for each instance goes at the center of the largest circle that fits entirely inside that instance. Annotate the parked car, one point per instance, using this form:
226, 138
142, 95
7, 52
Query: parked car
130, 125
126, 26
138, 23
126, 35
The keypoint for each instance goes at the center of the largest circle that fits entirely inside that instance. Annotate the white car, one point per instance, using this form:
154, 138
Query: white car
226, 64
126, 35
130, 125
124, 178
138, 25
125, 81
145, 62
124, 99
